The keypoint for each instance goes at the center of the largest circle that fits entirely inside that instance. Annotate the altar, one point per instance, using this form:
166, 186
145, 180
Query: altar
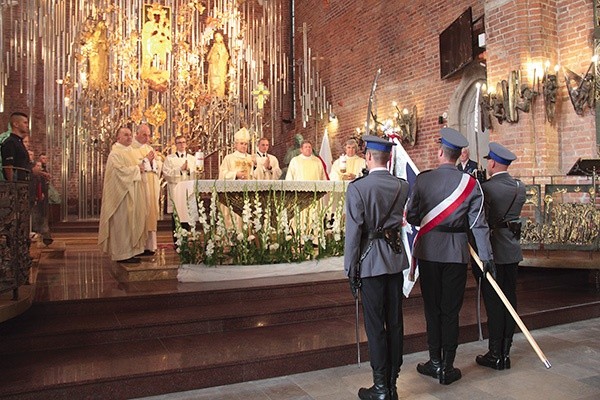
231, 193
231, 222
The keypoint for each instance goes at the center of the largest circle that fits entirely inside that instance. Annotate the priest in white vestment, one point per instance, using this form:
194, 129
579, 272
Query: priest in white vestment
150, 178
123, 232
349, 166
266, 166
238, 165
306, 166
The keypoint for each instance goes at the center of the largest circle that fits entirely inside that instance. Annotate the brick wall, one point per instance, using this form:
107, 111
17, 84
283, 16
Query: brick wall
355, 38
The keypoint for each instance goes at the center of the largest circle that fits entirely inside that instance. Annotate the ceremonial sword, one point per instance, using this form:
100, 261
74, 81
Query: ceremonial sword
367, 131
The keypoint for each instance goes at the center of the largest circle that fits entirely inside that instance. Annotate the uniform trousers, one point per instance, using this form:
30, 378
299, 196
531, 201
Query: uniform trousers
500, 323
382, 308
442, 289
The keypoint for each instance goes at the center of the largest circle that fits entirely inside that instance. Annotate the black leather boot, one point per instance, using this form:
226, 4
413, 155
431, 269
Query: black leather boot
493, 358
392, 383
379, 390
433, 367
505, 352
449, 374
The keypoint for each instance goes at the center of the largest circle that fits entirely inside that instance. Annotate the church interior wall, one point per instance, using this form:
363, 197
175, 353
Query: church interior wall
351, 40
402, 39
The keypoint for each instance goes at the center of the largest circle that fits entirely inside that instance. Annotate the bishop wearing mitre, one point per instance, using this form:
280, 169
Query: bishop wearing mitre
238, 165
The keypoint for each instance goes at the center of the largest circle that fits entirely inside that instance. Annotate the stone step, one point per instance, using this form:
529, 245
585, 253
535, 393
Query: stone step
176, 363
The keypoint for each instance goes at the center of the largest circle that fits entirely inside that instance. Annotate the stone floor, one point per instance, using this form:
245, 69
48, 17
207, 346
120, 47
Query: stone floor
573, 350
82, 276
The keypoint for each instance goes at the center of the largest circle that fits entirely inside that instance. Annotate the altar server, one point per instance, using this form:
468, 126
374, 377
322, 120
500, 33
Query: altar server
179, 166
266, 166
238, 165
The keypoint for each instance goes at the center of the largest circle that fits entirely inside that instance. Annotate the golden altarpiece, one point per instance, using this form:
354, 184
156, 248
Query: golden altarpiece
199, 68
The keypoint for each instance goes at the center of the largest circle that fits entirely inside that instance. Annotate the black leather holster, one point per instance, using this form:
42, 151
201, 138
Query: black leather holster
391, 236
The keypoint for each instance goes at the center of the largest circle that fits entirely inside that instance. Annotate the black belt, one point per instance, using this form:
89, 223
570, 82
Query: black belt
505, 225
375, 235
450, 229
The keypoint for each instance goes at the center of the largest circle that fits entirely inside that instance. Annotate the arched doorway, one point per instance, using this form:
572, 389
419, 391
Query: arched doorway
465, 114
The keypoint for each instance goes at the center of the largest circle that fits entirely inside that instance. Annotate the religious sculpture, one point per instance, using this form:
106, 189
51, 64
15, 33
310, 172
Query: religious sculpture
527, 97
98, 57
550, 90
581, 89
262, 93
156, 42
218, 59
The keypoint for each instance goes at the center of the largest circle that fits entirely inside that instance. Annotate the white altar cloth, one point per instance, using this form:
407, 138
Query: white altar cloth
185, 189
203, 273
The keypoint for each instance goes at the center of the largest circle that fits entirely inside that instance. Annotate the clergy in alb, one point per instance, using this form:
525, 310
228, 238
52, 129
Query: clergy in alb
349, 166
150, 178
266, 166
123, 230
238, 165
306, 166
179, 166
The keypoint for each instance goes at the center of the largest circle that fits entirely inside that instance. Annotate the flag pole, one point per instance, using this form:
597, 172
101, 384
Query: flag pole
511, 310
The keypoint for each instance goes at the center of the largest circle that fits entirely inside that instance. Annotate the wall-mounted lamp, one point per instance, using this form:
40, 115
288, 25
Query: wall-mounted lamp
405, 123
581, 89
493, 101
526, 98
332, 117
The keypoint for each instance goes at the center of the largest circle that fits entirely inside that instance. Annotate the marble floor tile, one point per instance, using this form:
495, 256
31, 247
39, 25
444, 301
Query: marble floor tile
528, 379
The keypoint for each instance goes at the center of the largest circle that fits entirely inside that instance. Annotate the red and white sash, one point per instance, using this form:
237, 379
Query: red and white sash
440, 212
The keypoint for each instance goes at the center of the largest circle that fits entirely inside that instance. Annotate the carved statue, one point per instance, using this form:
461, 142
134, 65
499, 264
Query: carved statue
293, 150
156, 42
98, 57
581, 90
527, 97
497, 101
218, 59
550, 90
407, 122
156, 36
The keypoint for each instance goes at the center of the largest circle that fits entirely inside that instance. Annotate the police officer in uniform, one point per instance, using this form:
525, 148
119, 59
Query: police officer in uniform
446, 203
504, 199
374, 259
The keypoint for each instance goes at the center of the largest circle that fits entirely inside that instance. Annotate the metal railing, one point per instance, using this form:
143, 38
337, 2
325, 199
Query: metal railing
15, 211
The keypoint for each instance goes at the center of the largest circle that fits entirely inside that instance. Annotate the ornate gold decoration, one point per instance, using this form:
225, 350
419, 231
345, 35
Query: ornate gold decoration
156, 115
262, 94
109, 76
156, 44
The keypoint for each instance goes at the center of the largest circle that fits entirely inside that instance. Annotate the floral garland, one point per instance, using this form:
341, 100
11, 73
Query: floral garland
264, 233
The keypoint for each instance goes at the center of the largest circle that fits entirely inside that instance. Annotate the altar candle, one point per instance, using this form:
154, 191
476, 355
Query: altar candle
200, 161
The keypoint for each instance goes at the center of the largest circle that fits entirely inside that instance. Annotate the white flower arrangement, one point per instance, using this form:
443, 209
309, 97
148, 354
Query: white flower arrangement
263, 233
